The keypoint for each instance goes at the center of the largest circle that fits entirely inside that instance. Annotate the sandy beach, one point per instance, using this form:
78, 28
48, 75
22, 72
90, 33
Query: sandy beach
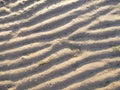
59, 44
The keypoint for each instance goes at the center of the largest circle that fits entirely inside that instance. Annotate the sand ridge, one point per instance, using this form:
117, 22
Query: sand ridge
59, 45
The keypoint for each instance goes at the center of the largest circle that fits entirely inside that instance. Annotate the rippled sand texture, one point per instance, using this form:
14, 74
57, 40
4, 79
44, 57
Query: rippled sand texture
59, 45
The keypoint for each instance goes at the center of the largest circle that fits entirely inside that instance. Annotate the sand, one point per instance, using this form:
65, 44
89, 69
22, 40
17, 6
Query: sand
59, 44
